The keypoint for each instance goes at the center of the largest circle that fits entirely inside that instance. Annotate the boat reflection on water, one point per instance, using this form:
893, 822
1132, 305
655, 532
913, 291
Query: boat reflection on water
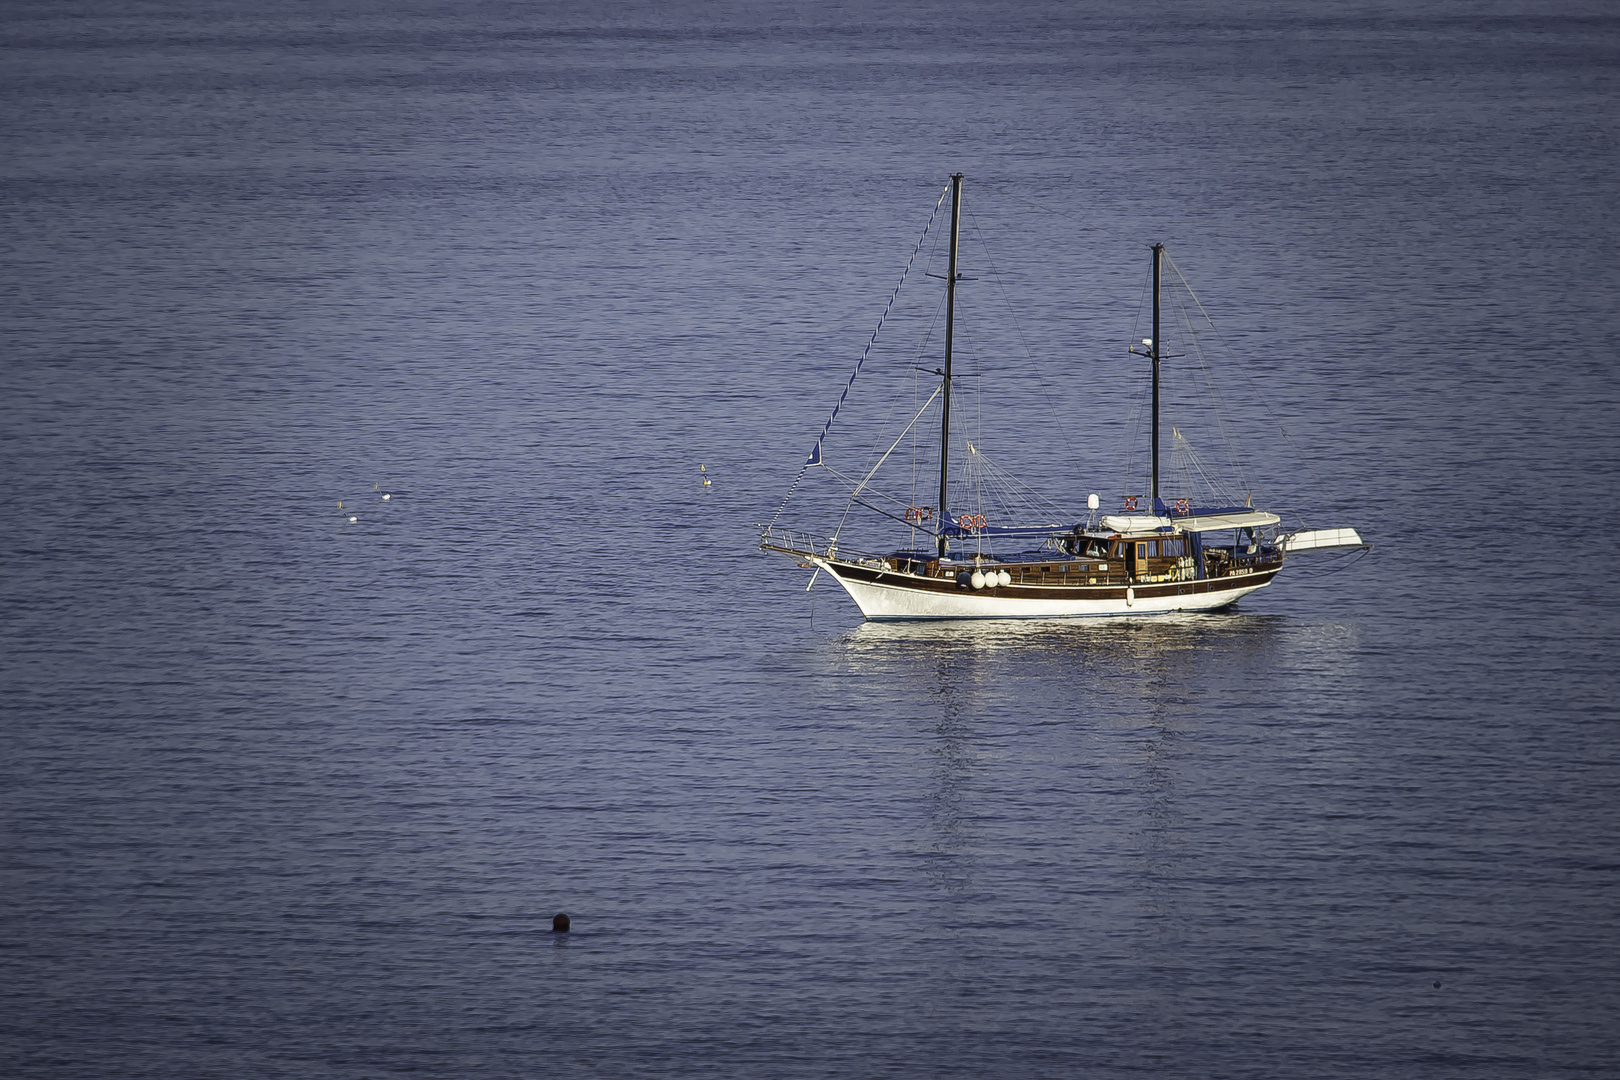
1091, 753
1120, 648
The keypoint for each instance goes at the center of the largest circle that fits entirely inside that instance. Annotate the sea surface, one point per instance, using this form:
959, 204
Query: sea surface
289, 790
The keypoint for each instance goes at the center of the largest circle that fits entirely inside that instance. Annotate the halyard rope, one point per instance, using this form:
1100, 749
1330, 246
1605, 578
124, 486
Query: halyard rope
815, 453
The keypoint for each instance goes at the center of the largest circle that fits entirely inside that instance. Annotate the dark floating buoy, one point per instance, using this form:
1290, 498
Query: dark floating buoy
1436, 982
559, 925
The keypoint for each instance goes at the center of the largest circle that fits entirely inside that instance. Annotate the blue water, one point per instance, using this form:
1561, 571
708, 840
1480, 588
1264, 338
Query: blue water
286, 795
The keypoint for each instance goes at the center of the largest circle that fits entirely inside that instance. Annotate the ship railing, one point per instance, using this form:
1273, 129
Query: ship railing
1249, 562
811, 545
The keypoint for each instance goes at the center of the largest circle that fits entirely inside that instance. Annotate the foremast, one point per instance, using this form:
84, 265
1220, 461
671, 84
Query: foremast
950, 325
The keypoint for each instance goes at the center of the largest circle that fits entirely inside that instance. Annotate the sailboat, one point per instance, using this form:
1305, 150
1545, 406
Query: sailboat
1154, 557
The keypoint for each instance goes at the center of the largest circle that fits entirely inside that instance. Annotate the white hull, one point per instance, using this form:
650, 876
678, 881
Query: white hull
882, 601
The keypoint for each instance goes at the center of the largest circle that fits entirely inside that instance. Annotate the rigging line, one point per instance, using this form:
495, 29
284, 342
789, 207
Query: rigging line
851, 483
1133, 420
978, 421
1192, 462
971, 480
1178, 465
923, 339
873, 471
1233, 459
879, 436
1139, 402
1345, 559
862, 502
875, 509
1004, 185
1253, 389
1015, 491
916, 390
915, 417
815, 453
893, 517
995, 276
1218, 492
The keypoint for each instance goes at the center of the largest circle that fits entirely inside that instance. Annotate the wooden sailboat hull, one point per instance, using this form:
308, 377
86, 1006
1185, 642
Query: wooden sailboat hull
1143, 561
884, 595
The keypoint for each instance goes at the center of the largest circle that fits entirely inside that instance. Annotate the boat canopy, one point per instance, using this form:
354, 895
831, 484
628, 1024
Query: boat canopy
1236, 517
1127, 523
1194, 519
1321, 540
1197, 519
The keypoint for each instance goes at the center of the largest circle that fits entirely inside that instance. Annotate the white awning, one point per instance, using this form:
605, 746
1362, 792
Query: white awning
1233, 519
1237, 519
1322, 539
1124, 523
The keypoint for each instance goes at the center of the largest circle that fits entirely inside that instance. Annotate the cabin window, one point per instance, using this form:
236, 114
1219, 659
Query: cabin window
1152, 549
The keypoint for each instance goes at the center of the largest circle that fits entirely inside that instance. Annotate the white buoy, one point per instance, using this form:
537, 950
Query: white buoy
354, 519
1004, 577
387, 497
1130, 596
977, 579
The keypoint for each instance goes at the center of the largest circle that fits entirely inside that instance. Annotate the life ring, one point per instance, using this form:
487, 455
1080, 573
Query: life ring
1183, 506
1130, 502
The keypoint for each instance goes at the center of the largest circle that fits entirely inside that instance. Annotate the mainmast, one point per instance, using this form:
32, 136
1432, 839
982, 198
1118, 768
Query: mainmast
950, 319
1158, 258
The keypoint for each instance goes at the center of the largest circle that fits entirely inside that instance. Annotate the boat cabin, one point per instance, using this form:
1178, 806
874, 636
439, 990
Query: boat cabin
1100, 559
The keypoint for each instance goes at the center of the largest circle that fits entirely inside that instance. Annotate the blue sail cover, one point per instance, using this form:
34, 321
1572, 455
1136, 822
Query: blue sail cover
953, 527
